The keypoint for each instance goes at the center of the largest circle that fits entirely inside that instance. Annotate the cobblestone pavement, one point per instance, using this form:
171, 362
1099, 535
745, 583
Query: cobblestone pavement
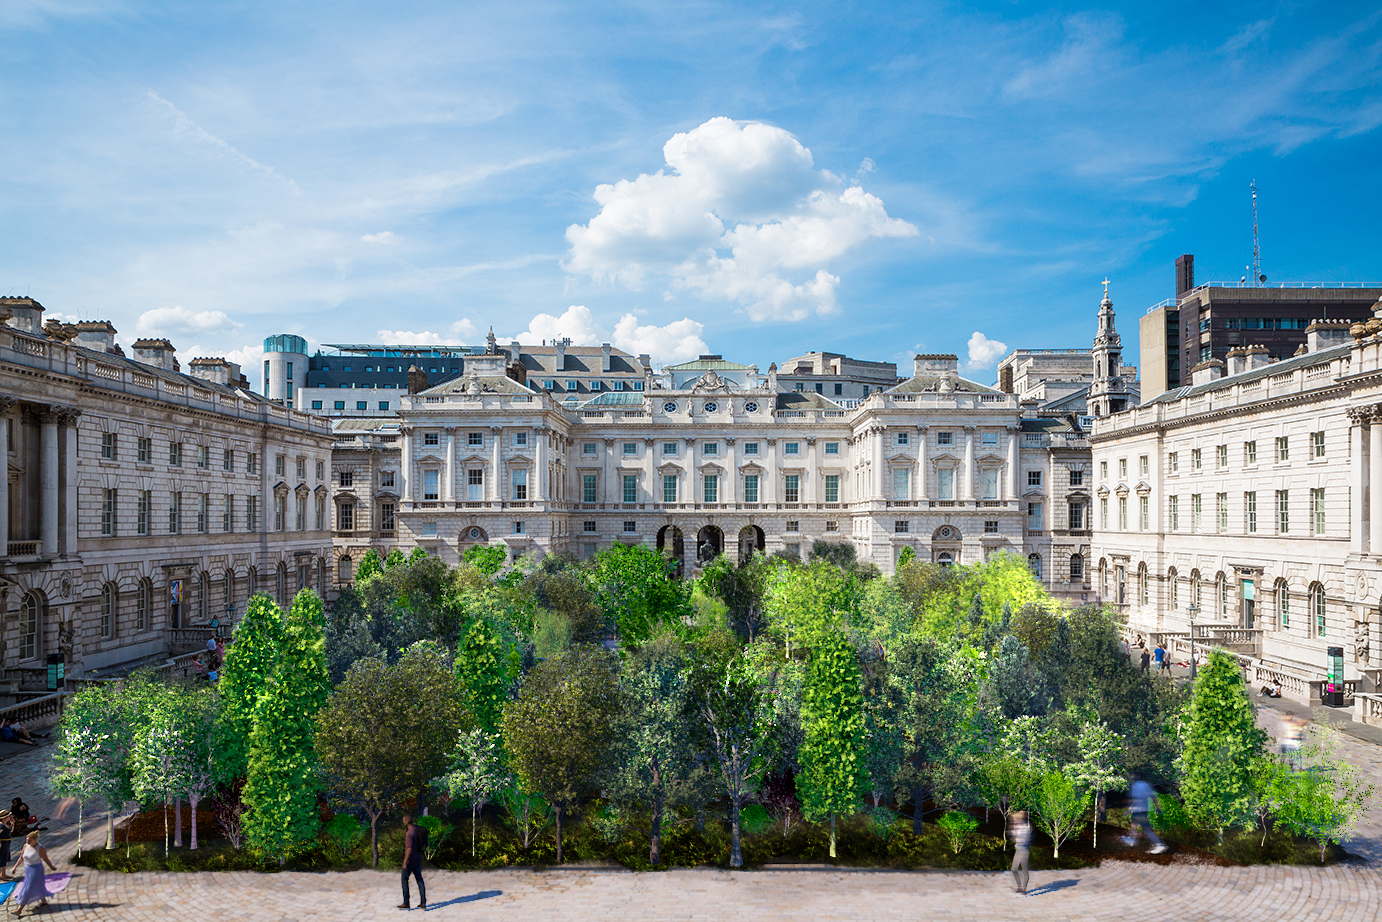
1118, 890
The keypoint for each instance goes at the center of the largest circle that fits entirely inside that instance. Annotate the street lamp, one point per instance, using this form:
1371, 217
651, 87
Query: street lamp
1192, 610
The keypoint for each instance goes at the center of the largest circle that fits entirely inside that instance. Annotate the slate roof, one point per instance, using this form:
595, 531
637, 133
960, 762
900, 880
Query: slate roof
920, 384
491, 384
805, 400
707, 365
1273, 368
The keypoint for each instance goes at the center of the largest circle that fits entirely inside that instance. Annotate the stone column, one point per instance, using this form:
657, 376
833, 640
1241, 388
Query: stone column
1358, 480
69, 458
1012, 464
6, 404
810, 496
610, 492
497, 439
1374, 492
729, 490
652, 487
539, 463
921, 463
767, 489
48, 481
880, 489
448, 490
969, 463
406, 487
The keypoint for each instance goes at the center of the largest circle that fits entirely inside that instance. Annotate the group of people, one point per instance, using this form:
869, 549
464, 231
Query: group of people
12, 732
1147, 656
18, 823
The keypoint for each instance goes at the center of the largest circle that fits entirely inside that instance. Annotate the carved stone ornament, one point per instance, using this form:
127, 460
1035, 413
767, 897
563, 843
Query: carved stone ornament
65, 588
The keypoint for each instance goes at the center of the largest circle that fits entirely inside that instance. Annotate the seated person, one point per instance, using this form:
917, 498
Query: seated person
19, 812
1271, 690
13, 733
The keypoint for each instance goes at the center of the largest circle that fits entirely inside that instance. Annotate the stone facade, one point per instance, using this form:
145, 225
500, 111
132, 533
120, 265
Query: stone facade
143, 501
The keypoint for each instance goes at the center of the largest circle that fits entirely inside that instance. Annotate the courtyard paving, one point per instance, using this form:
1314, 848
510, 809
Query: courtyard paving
1117, 890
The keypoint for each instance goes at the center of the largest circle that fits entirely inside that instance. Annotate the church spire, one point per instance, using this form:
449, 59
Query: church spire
1109, 391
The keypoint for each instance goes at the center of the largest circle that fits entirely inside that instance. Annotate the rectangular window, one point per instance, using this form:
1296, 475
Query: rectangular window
669, 488
832, 448
143, 448
1034, 516
589, 448
1173, 512
1173, 461
228, 512
174, 513
990, 526
252, 463
345, 518
1195, 510
945, 438
141, 525
590, 485
386, 520
279, 466
1283, 511
280, 513
988, 483
1122, 468
519, 483
1250, 512
302, 469
902, 483
712, 488
1221, 456
990, 438
630, 448
792, 448
750, 488
1077, 478
630, 527
1195, 459
945, 483
227, 460
300, 515
386, 478
839, 389
711, 448
1283, 448
430, 439
251, 513
201, 513
339, 405
1034, 478
791, 490
832, 488
831, 525
903, 438
588, 526
1103, 470
321, 470
430, 485
1103, 513
520, 439
669, 448
902, 527
1221, 512
1076, 514
1143, 466
1317, 509
347, 478
203, 456
1122, 513
1317, 444
383, 404
1250, 452
793, 525
519, 528
630, 488
750, 448
175, 454
108, 513
108, 446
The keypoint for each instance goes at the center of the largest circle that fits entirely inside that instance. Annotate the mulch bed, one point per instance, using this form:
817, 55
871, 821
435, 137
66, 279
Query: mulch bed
148, 826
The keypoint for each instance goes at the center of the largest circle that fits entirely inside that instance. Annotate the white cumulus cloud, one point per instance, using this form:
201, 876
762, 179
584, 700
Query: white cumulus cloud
461, 333
679, 341
984, 352
576, 322
381, 237
178, 320
741, 214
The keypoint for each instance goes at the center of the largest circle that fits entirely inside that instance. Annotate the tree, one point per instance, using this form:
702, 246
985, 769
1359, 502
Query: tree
489, 559
635, 587
1327, 798
1007, 784
738, 715
477, 772
114, 714
1221, 743
1100, 754
370, 566
160, 760
806, 602
483, 672
655, 768
394, 559
387, 730
832, 757
80, 765
1015, 687
560, 729
418, 553
741, 589
249, 664
1060, 807
280, 791
935, 685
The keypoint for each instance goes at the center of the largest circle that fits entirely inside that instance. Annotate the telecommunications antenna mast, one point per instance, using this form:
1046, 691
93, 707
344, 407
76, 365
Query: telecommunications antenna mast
1258, 277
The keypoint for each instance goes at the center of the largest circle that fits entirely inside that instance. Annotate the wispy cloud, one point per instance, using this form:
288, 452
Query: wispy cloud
186, 128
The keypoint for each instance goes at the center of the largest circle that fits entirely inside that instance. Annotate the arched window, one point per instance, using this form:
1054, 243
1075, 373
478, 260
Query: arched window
321, 576
1144, 589
1283, 604
1173, 582
251, 583
1221, 587
30, 626
110, 608
1034, 564
204, 598
227, 594
144, 603
1318, 609
343, 570
945, 559
1195, 597
1076, 568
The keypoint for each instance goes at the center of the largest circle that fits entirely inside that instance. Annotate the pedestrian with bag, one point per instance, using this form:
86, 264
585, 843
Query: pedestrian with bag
414, 845
1021, 832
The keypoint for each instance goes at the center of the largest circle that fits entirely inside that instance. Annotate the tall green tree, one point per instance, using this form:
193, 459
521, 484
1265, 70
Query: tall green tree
249, 665
832, 757
804, 603
482, 668
1327, 798
559, 731
477, 773
489, 559
80, 765
1060, 805
935, 685
280, 792
635, 587
737, 711
388, 730
1221, 742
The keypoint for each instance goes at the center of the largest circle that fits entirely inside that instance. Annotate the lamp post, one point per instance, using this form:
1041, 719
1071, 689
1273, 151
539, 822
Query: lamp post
1192, 610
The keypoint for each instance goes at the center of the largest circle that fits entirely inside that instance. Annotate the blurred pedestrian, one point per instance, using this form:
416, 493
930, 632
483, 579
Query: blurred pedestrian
1021, 832
1146, 660
1141, 800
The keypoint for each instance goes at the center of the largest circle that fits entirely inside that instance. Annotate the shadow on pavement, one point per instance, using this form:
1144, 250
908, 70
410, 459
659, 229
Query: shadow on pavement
482, 895
1052, 887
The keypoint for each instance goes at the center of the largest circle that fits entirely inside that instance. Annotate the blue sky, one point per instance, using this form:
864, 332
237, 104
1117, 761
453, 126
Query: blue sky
757, 180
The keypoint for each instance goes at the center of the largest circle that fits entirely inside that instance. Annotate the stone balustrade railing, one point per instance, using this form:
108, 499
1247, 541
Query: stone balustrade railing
36, 712
1367, 708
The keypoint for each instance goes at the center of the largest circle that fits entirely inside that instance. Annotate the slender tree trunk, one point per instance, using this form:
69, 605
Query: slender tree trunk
374, 837
193, 801
79, 827
832, 835
655, 847
558, 834
918, 820
177, 822
472, 829
165, 829
110, 826
736, 854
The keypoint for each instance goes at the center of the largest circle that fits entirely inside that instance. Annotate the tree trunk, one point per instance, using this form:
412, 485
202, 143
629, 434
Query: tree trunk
832, 835
472, 829
736, 855
110, 827
79, 827
918, 798
558, 834
193, 801
374, 837
165, 829
655, 847
177, 822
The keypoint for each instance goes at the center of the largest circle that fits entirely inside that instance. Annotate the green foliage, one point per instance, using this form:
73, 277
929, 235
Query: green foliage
438, 831
81, 762
736, 709
552, 633
755, 820
1221, 743
394, 559
1101, 752
1060, 806
489, 559
840, 553
1014, 685
1325, 800
343, 833
958, 827
483, 670
559, 731
742, 589
281, 779
387, 730
249, 665
942, 596
476, 774
418, 553
527, 811
905, 556
635, 587
1006, 783
370, 566
806, 603
832, 756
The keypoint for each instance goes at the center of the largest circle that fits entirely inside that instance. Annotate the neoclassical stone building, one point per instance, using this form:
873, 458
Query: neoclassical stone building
142, 501
1256, 497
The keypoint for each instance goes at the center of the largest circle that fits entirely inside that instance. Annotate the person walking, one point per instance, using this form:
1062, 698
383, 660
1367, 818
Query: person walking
1146, 660
32, 889
1141, 798
1292, 738
1021, 832
6, 833
1163, 660
414, 842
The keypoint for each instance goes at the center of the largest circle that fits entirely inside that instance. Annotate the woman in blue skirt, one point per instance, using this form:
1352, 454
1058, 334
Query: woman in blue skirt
32, 889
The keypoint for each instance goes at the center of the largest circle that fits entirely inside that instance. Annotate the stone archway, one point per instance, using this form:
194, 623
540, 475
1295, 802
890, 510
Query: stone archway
751, 541
946, 542
671, 543
710, 543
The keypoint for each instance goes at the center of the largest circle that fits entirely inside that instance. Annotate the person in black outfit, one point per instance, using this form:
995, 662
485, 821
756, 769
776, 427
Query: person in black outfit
414, 841
6, 831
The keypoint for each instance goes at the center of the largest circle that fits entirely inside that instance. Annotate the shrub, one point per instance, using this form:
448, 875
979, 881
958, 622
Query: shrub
754, 819
881, 821
343, 833
958, 828
438, 830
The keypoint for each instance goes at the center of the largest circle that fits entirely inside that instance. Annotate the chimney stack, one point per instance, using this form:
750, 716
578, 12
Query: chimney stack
604, 356
26, 314
417, 380
1237, 360
156, 352
97, 335
1185, 274
1206, 372
1260, 356
560, 364
1321, 334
